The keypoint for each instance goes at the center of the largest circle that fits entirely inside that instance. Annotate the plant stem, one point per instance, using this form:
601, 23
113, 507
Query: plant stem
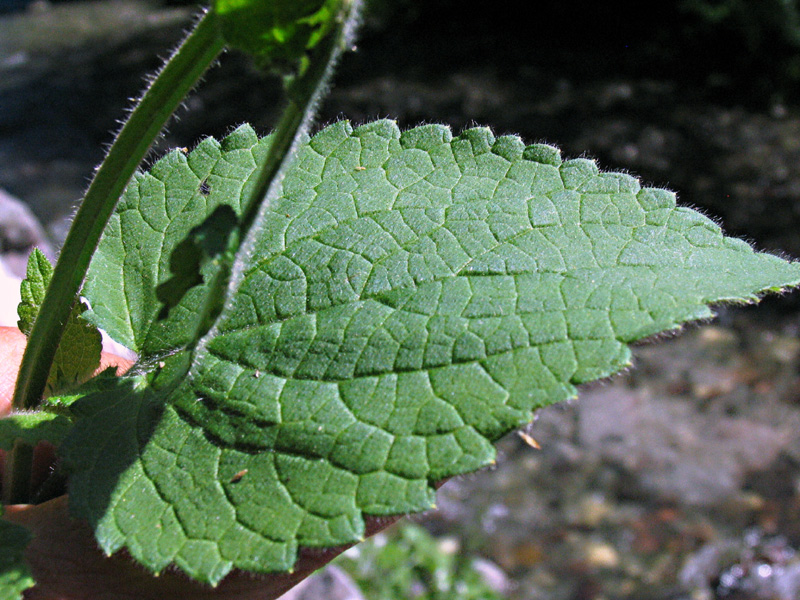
177, 78
17, 482
159, 102
304, 92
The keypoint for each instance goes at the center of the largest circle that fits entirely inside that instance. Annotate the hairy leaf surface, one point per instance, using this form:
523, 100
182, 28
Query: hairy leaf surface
409, 299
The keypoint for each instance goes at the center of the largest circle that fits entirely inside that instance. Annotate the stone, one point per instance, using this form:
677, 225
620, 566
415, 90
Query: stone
331, 584
673, 451
20, 232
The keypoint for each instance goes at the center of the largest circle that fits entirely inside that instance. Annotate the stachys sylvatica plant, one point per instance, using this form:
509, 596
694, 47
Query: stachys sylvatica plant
326, 326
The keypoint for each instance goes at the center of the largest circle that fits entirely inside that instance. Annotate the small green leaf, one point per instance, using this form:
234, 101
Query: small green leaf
32, 428
278, 33
15, 577
79, 353
408, 299
32, 289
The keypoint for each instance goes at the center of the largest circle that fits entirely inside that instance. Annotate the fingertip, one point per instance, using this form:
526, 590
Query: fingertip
12, 346
112, 360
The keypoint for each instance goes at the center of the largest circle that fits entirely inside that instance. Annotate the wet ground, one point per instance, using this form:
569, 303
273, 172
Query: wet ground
677, 480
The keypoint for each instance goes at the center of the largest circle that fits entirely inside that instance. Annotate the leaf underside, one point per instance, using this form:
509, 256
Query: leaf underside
409, 299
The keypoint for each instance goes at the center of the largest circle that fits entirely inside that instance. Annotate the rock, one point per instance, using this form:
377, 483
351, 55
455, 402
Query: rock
600, 555
492, 575
331, 584
590, 511
673, 451
704, 565
787, 582
754, 567
20, 232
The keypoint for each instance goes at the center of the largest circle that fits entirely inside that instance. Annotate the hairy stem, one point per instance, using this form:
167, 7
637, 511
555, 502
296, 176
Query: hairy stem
304, 92
179, 75
156, 106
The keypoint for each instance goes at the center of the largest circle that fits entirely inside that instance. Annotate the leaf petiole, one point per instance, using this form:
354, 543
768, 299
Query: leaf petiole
304, 92
156, 106
179, 75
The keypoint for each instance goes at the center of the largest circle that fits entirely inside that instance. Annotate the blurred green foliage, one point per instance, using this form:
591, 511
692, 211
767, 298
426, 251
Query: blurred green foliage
408, 563
278, 33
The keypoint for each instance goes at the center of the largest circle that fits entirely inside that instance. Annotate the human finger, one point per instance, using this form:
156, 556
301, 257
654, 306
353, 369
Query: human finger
12, 346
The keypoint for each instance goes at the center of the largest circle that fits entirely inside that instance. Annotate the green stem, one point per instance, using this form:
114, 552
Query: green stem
304, 92
177, 78
174, 82
17, 482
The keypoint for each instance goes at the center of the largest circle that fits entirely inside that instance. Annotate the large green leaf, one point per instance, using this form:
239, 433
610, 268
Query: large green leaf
406, 301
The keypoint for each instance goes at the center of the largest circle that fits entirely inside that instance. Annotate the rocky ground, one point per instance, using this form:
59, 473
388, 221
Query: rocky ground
676, 480
679, 480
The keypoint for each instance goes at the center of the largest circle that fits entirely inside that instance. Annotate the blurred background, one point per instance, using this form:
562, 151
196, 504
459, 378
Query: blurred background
677, 481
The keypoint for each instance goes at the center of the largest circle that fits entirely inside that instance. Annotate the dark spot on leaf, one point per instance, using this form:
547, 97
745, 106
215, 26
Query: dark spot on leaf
205, 188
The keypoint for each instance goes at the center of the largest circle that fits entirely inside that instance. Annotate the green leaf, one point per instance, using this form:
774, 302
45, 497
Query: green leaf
32, 428
15, 577
279, 33
32, 289
79, 353
408, 299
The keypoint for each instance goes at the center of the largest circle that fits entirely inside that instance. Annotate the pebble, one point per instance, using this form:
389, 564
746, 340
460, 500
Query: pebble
331, 584
20, 232
492, 575
601, 555
592, 510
